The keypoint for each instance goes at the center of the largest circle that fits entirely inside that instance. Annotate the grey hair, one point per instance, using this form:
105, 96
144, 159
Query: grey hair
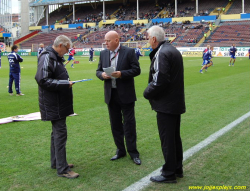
62, 39
157, 32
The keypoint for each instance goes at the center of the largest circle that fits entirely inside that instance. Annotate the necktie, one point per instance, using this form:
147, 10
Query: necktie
113, 64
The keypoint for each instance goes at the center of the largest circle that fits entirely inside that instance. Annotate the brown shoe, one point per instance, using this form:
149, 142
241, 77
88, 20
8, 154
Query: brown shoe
69, 174
70, 166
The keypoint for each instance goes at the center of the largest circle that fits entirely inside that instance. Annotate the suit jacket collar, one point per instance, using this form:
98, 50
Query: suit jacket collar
120, 57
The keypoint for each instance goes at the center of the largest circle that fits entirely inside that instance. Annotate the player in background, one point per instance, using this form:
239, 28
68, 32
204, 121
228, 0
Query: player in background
232, 52
138, 52
41, 49
0, 57
91, 54
207, 62
204, 51
72, 52
15, 70
249, 53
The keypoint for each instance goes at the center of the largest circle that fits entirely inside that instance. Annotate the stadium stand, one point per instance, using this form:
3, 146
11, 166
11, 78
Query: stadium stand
236, 8
48, 39
85, 13
56, 15
229, 32
187, 34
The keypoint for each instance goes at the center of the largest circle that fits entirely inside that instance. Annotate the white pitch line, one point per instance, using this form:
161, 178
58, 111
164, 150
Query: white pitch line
144, 182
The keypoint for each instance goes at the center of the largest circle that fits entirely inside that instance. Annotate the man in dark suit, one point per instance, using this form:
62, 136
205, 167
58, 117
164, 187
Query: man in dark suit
120, 94
165, 92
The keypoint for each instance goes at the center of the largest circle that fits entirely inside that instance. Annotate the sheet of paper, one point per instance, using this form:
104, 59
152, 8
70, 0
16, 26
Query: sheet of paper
109, 70
83, 80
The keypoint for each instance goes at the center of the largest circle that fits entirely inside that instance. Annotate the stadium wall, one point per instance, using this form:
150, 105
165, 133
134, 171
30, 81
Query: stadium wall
245, 15
185, 51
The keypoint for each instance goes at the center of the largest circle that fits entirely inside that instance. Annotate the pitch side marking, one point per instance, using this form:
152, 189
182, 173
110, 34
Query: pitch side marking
144, 182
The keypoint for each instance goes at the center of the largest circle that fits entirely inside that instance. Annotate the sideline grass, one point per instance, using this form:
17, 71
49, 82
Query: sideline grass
223, 163
213, 99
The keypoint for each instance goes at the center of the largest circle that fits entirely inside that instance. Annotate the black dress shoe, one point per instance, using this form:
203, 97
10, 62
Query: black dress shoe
117, 157
137, 160
162, 179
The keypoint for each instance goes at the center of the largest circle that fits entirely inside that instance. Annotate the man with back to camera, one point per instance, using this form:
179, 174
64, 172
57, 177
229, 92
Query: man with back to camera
15, 70
232, 52
138, 52
56, 101
120, 94
165, 93
40, 50
91, 54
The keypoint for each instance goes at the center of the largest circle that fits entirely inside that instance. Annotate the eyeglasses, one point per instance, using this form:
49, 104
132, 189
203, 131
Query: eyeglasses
66, 48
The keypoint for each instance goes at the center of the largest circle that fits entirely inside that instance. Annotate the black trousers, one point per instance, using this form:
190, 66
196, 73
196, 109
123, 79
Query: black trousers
169, 131
58, 146
122, 120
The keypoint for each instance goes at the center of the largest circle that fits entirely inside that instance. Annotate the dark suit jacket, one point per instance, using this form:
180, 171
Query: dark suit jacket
129, 67
165, 90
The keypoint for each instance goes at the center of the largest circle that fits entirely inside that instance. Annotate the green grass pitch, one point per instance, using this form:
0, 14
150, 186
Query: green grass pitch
213, 100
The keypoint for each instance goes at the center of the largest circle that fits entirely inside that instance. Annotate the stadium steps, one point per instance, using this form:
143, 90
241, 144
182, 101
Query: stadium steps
202, 40
159, 15
229, 5
112, 16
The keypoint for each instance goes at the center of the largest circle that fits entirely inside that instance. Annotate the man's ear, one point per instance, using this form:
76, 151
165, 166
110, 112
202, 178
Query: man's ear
154, 39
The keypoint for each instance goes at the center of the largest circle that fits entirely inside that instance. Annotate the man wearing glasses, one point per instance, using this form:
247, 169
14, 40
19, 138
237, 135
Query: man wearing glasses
56, 101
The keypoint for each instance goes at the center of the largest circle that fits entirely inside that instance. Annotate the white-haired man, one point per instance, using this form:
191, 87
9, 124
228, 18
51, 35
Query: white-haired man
56, 101
165, 93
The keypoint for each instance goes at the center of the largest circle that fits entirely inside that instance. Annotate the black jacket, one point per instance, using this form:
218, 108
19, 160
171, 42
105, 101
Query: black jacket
129, 66
165, 90
55, 96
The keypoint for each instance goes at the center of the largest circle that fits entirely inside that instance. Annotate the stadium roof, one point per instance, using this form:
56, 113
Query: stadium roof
37, 3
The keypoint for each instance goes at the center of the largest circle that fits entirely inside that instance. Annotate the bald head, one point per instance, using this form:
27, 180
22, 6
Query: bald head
112, 34
112, 40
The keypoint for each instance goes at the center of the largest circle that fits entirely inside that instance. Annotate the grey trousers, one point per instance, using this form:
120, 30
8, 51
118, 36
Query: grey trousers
58, 146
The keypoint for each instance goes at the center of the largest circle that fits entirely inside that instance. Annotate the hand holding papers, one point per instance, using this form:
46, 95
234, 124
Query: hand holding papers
109, 70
